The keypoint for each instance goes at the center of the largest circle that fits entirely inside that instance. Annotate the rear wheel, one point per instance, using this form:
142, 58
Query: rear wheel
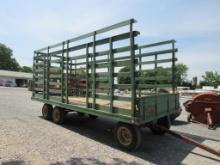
164, 122
47, 111
58, 115
127, 136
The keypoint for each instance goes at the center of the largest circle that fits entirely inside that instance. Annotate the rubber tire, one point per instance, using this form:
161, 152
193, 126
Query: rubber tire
164, 121
136, 136
60, 118
47, 110
93, 116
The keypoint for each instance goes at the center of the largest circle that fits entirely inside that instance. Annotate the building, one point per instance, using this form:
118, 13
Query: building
14, 79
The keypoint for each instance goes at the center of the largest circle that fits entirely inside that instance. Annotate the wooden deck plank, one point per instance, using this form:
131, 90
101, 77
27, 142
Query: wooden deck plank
116, 103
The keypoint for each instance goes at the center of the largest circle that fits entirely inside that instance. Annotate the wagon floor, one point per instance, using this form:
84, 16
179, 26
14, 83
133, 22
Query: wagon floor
82, 101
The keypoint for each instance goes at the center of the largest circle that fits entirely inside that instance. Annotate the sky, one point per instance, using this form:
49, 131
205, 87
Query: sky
27, 25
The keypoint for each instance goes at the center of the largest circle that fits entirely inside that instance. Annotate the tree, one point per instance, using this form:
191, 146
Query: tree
80, 71
211, 78
181, 73
148, 74
159, 76
7, 62
26, 69
124, 79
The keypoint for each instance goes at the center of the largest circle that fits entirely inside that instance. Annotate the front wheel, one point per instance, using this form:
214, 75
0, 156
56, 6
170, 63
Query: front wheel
127, 136
164, 122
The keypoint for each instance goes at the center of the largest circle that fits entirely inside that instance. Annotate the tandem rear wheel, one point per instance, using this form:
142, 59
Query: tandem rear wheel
127, 136
47, 111
56, 114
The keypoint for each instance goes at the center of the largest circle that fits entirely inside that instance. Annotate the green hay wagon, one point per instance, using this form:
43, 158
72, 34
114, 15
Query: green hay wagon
106, 74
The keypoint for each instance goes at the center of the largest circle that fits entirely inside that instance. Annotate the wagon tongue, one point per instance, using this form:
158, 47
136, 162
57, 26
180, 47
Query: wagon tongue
190, 141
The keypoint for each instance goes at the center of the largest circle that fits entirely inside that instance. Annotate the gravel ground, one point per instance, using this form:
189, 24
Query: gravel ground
26, 138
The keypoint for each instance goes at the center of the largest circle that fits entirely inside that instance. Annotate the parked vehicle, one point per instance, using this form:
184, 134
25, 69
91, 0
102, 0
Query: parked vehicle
1, 83
8, 83
81, 75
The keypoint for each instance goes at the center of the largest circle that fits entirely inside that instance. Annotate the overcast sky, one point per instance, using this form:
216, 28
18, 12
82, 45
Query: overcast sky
194, 24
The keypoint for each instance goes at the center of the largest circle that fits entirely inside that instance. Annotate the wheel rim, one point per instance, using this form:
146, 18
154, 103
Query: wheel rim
56, 115
124, 136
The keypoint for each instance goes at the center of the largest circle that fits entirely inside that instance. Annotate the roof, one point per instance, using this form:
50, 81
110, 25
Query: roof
13, 74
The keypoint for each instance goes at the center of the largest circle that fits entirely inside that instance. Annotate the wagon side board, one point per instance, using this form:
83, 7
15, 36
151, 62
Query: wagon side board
157, 106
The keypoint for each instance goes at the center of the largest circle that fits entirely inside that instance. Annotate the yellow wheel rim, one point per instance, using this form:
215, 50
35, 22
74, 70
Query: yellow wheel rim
124, 136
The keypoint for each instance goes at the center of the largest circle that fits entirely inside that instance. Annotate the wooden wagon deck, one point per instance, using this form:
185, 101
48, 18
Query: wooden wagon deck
82, 101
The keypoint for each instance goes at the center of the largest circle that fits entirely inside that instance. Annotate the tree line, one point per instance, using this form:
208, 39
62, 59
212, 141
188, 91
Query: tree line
209, 78
8, 62
164, 75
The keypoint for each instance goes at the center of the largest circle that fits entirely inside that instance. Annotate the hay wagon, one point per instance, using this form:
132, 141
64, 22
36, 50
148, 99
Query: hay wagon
105, 73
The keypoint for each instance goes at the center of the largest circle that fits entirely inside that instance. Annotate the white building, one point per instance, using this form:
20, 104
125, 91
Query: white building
13, 79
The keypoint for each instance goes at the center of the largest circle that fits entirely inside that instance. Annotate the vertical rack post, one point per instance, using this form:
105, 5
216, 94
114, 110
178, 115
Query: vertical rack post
75, 68
91, 78
62, 73
48, 69
173, 72
94, 72
111, 77
173, 68
87, 76
133, 84
44, 73
71, 67
155, 83
34, 74
155, 67
67, 70
140, 68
